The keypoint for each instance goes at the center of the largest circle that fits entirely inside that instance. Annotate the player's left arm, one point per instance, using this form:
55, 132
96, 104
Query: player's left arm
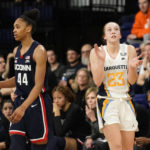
133, 62
40, 58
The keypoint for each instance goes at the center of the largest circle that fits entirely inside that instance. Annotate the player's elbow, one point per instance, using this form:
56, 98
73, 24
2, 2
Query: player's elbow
97, 82
132, 82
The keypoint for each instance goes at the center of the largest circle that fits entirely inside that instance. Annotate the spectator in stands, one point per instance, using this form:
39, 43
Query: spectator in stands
141, 27
2, 67
4, 74
7, 108
82, 82
74, 64
148, 97
85, 54
54, 65
69, 121
9, 71
1, 99
96, 140
144, 75
142, 137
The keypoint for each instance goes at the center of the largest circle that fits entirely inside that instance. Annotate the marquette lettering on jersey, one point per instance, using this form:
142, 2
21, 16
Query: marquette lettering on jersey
115, 67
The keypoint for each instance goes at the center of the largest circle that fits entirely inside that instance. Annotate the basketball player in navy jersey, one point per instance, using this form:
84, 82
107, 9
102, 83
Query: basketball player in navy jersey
114, 69
31, 118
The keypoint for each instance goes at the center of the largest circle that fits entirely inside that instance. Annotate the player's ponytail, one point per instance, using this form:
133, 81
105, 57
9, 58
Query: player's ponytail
31, 17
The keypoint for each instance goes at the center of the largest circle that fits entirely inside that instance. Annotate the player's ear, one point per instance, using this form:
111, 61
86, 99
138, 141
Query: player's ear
29, 28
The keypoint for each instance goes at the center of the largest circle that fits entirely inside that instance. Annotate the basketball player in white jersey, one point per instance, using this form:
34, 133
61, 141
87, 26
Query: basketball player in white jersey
114, 71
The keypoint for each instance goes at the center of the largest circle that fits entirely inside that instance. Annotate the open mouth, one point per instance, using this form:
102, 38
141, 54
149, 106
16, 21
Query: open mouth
113, 36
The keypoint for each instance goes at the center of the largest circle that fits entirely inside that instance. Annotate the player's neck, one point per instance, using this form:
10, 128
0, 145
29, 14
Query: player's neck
113, 48
27, 42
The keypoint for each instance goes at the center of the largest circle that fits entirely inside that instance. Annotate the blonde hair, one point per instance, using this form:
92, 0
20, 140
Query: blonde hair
75, 85
89, 90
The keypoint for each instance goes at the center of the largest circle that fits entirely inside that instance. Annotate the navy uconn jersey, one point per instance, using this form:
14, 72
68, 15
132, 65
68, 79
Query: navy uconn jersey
25, 71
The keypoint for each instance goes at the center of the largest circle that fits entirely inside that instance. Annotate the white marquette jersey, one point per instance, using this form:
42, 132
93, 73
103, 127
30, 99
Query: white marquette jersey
115, 83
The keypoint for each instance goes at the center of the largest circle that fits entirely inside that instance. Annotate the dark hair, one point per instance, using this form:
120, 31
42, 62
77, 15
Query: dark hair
31, 17
2, 56
70, 97
73, 48
6, 101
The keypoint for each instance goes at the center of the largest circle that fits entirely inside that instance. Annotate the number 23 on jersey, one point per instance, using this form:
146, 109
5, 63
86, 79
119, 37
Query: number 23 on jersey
115, 79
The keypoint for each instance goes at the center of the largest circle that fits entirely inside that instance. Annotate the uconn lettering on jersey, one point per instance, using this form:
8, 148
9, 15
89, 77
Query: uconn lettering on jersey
23, 67
115, 67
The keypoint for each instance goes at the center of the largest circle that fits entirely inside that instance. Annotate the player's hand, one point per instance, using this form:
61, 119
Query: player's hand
13, 96
100, 52
17, 115
140, 141
135, 62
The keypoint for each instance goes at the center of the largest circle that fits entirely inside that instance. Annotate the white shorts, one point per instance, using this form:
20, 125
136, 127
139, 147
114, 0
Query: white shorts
117, 111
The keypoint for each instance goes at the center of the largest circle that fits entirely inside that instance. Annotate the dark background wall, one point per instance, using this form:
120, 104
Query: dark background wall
64, 23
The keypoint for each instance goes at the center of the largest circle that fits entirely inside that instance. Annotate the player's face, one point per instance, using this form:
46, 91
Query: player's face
59, 99
20, 29
112, 32
72, 56
51, 57
2, 64
82, 78
143, 5
7, 109
146, 52
91, 100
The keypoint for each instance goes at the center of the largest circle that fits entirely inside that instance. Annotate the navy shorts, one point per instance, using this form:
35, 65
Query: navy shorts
34, 124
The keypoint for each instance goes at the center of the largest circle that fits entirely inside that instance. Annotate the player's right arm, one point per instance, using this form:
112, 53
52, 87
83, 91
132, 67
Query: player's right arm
97, 58
9, 83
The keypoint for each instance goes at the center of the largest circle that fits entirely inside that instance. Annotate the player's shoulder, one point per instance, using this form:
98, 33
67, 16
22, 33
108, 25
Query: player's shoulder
39, 53
39, 48
131, 48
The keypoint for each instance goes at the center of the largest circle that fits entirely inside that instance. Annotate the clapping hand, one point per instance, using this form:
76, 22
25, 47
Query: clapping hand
135, 62
100, 52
